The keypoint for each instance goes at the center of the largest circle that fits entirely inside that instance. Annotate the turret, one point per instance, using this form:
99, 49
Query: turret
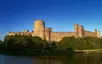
76, 30
48, 32
97, 33
39, 28
79, 30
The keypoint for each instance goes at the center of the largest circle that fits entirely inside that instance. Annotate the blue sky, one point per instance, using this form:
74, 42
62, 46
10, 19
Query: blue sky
61, 15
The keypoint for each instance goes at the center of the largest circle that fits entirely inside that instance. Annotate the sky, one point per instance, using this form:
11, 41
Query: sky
61, 15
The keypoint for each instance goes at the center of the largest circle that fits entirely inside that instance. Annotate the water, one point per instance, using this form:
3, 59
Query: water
86, 58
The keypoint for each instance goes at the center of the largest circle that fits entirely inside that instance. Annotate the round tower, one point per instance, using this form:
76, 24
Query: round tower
39, 28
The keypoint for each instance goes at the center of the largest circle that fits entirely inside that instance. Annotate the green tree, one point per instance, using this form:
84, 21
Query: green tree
68, 42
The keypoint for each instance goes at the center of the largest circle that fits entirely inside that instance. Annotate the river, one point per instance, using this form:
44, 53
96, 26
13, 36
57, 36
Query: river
80, 58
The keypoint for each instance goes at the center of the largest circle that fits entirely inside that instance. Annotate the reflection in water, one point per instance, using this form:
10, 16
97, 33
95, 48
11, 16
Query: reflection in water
47, 60
4, 59
90, 58
1, 59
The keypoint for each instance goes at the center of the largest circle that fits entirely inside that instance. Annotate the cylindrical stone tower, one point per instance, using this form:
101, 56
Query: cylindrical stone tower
39, 28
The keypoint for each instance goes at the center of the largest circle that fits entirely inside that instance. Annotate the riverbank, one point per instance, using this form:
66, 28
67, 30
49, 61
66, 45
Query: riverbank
88, 51
50, 53
40, 53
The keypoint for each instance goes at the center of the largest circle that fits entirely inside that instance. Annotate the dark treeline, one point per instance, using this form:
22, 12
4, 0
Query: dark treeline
28, 45
20, 43
82, 43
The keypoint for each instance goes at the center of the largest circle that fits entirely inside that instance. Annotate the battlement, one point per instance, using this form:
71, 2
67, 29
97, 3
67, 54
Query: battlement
62, 32
47, 33
26, 31
19, 33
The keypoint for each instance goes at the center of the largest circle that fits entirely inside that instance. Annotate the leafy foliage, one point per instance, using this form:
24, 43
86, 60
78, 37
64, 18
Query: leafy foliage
21, 43
82, 43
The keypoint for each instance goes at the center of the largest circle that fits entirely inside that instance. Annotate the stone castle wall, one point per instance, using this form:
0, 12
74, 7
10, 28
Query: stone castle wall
90, 34
46, 33
57, 36
19, 33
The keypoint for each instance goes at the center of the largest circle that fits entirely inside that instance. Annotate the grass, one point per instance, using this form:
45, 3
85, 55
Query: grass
91, 50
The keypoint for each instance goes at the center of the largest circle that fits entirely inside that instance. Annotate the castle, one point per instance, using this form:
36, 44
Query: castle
47, 33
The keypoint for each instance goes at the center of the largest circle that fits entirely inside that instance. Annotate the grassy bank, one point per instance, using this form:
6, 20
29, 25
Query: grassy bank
89, 51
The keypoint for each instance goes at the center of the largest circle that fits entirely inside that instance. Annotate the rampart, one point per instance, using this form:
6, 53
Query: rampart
47, 33
57, 36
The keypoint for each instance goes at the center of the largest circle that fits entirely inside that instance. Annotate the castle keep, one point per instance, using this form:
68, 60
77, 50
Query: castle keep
47, 33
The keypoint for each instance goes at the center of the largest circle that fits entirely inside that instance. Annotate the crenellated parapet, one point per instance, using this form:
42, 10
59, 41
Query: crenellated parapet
47, 33
59, 35
95, 33
20, 33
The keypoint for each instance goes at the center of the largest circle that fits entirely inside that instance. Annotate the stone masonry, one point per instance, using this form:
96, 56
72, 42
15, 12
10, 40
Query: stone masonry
46, 33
